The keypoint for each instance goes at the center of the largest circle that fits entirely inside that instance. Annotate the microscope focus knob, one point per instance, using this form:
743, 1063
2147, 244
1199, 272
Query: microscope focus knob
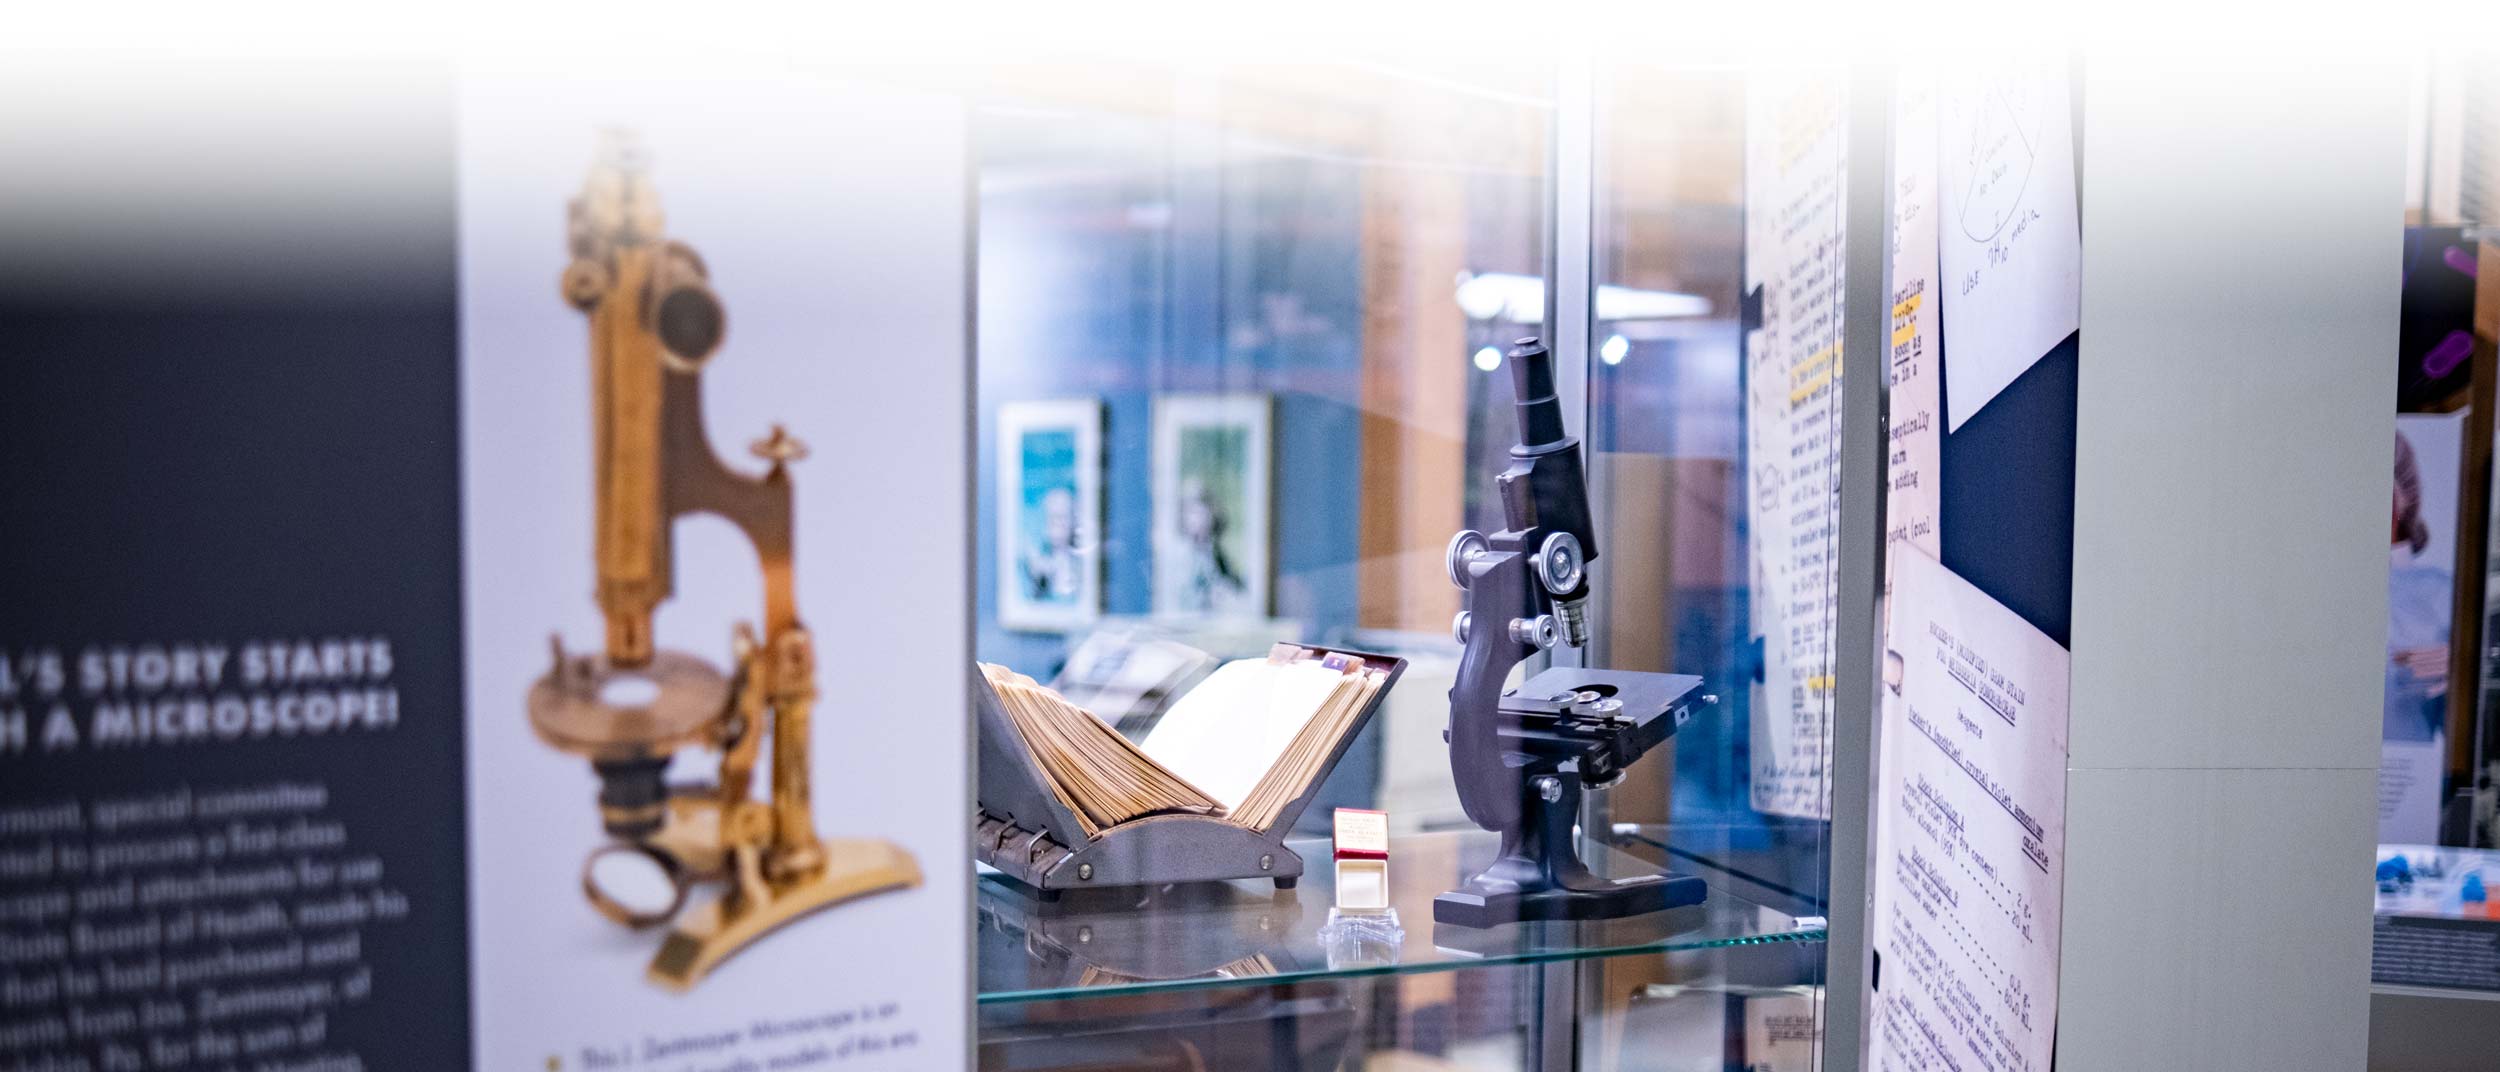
779, 448
585, 282
1560, 564
1540, 632
1459, 626
1464, 548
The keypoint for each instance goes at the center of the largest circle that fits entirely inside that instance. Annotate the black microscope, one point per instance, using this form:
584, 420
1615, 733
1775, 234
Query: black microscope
1522, 757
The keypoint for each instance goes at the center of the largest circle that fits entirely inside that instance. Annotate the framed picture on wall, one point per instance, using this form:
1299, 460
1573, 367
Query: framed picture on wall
1212, 467
1049, 514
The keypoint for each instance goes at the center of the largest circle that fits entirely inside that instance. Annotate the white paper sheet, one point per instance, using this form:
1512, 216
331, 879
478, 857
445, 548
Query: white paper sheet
1224, 734
1970, 828
1795, 144
2012, 251
1911, 499
1784, 1032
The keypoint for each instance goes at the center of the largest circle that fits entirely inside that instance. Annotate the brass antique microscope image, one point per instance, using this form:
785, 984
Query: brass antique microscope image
654, 325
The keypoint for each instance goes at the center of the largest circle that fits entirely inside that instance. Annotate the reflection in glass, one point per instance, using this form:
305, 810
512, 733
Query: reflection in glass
1275, 286
1706, 452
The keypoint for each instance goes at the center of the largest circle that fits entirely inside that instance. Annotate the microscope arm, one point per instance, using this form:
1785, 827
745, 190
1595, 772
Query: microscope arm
1497, 592
700, 482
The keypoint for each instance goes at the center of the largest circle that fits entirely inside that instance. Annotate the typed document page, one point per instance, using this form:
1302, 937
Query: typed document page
1795, 142
1915, 440
1970, 830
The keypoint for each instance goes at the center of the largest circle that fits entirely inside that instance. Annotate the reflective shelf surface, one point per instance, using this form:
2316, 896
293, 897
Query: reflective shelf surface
1203, 935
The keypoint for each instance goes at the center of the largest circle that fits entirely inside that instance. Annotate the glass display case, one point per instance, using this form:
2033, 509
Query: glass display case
1246, 344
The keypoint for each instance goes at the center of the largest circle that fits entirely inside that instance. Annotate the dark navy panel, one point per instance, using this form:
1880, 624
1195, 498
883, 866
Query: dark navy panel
2007, 492
187, 461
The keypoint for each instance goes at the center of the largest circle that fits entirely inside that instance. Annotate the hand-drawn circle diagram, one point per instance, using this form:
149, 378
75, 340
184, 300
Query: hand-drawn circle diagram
2004, 131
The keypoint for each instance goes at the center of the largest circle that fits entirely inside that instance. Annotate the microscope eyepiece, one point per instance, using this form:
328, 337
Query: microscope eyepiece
689, 323
684, 312
1543, 491
1532, 381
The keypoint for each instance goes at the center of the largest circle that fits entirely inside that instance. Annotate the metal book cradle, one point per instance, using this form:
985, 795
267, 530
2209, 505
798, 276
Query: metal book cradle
1036, 842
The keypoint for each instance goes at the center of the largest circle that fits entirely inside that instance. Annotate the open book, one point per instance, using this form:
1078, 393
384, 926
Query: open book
1242, 745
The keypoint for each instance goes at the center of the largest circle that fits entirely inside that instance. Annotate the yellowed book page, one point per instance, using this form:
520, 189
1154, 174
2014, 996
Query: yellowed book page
1099, 775
1303, 761
1289, 771
1019, 716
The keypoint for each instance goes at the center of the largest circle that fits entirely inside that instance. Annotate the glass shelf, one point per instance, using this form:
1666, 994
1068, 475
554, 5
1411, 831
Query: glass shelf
1772, 861
1248, 933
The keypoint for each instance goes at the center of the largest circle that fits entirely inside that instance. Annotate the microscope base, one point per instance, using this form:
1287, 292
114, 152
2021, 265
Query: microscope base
713, 932
1492, 903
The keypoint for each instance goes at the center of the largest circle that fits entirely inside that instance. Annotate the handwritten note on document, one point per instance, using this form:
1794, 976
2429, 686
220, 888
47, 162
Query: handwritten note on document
2012, 244
1970, 828
1794, 178
1911, 498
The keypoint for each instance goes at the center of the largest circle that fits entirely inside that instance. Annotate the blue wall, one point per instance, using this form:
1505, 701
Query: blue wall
1110, 270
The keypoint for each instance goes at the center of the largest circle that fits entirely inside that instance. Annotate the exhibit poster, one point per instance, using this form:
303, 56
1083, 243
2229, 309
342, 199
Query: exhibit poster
713, 442
494, 594
2421, 609
1213, 467
1796, 138
1050, 518
231, 814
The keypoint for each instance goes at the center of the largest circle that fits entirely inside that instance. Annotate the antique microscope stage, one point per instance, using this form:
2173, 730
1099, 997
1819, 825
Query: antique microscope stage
592, 707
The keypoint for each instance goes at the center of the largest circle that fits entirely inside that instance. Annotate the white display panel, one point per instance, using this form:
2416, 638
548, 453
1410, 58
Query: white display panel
832, 219
2421, 614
